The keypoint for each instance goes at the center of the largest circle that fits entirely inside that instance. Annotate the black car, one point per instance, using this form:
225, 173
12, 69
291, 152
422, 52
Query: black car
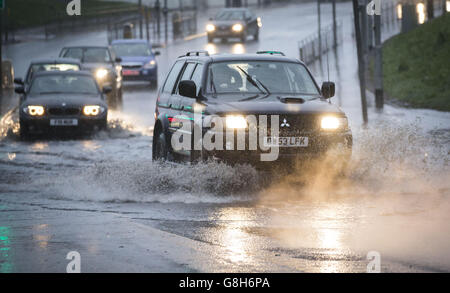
104, 65
62, 100
267, 95
58, 64
233, 23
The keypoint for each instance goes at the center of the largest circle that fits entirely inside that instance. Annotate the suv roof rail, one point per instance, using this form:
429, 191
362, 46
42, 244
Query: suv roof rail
271, 52
195, 53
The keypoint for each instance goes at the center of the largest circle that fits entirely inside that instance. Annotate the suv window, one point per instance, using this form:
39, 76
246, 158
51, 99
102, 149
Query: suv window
186, 74
197, 77
172, 77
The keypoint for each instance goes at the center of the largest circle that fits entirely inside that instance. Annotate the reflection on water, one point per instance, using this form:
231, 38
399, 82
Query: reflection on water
90, 145
233, 237
11, 156
39, 146
41, 235
211, 48
238, 49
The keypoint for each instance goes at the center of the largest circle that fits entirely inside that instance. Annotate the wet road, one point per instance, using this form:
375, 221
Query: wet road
103, 196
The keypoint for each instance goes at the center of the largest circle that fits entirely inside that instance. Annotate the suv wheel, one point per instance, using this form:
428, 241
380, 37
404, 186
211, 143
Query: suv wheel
160, 150
256, 36
243, 37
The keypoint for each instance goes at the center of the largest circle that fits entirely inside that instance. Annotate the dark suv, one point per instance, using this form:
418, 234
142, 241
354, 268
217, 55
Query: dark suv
238, 108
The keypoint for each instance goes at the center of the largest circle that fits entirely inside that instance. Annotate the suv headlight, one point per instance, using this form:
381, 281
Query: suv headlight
150, 64
333, 123
34, 110
236, 122
101, 73
210, 28
93, 110
237, 27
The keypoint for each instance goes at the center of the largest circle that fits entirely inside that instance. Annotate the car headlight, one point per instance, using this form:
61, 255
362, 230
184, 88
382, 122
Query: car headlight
333, 123
150, 64
236, 122
93, 110
210, 28
259, 22
101, 73
34, 110
237, 27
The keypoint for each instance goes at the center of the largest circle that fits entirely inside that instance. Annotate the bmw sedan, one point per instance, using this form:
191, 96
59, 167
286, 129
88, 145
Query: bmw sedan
59, 101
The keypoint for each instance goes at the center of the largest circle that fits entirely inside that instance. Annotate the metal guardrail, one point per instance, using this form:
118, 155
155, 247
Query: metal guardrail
313, 47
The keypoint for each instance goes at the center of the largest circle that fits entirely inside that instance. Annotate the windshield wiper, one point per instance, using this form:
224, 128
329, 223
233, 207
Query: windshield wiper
48, 93
254, 81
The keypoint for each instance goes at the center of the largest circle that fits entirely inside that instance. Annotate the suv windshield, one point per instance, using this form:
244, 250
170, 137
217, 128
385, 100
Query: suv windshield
132, 49
260, 77
65, 84
230, 15
88, 55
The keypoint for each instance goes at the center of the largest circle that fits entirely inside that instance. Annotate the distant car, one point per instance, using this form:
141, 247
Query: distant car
138, 60
103, 63
233, 23
58, 64
62, 100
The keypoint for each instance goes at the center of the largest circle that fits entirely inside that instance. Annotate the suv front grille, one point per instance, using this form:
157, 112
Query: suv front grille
294, 125
63, 111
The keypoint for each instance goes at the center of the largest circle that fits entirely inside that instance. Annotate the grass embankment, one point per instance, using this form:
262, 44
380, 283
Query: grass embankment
416, 66
29, 13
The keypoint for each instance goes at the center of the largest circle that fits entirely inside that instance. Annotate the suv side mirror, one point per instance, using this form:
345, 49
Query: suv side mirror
118, 59
18, 80
106, 89
20, 90
328, 89
156, 53
187, 88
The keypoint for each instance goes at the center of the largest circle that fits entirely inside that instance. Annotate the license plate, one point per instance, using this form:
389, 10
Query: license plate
285, 141
130, 72
63, 122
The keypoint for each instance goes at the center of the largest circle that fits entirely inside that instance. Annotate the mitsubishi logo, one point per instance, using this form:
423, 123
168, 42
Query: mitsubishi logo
285, 123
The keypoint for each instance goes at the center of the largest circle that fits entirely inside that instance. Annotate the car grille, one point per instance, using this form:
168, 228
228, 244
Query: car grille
296, 125
224, 28
134, 67
63, 111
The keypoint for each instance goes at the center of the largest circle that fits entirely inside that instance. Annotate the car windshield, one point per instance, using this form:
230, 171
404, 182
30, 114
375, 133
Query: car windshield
64, 84
51, 67
266, 77
230, 15
132, 49
88, 55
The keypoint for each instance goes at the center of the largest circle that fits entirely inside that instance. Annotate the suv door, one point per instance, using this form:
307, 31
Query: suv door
178, 102
164, 99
